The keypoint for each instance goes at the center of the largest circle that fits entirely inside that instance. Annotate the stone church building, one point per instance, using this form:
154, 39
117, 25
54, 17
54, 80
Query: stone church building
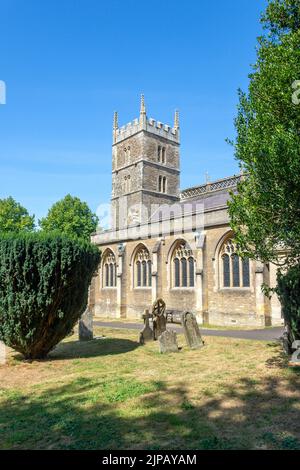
171, 243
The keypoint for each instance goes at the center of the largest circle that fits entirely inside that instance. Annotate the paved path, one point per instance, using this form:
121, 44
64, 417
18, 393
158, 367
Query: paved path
266, 334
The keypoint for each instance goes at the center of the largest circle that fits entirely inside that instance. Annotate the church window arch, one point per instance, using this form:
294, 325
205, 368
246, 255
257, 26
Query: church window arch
109, 271
183, 266
234, 270
142, 272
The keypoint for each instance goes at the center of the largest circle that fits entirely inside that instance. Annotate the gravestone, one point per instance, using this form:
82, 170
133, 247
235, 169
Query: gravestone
159, 319
295, 359
85, 327
147, 333
168, 342
2, 353
191, 331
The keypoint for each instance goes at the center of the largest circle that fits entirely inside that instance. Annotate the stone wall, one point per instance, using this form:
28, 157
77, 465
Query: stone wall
212, 303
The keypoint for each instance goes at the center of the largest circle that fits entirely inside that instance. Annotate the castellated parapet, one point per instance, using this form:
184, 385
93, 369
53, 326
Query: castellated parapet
149, 125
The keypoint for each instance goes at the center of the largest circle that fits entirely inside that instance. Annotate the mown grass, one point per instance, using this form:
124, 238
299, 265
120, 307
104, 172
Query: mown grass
111, 393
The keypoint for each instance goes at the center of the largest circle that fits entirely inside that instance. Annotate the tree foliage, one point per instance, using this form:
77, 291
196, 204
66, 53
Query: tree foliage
44, 281
265, 211
14, 217
289, 294
71, 217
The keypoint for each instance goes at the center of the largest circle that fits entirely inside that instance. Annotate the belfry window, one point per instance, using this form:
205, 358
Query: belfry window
235, 271
161, 154
183, 267
142, 268
162, 184
109, 278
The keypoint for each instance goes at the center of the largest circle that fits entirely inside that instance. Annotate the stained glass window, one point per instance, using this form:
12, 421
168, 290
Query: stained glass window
177, 274
183, 272
246, 272
226, 271
191, 272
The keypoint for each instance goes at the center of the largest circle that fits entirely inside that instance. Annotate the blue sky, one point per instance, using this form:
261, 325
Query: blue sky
69, 64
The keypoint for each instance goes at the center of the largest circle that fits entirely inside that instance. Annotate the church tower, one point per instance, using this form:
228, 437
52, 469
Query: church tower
145, 168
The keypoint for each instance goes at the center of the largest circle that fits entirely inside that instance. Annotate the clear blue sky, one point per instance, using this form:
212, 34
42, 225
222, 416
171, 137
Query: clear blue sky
69, 64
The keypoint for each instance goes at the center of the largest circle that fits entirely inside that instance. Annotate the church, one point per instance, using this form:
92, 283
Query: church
173, 244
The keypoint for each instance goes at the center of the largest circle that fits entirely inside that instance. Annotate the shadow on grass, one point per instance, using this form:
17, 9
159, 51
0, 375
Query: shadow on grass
126, 413
96, 347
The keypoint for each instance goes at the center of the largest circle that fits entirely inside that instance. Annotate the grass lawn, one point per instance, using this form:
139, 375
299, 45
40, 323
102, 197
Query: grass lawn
111, 393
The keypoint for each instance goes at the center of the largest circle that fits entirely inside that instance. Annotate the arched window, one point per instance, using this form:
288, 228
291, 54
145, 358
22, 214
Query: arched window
183, 272
191, 271
183, 267
226, 271
160, 184
235, 271
159, 153
142, 268
176, 273
109, 270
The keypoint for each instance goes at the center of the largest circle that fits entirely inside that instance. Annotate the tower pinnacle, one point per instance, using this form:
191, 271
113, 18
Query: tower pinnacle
143, 117
143, 107
176, 119
115, 123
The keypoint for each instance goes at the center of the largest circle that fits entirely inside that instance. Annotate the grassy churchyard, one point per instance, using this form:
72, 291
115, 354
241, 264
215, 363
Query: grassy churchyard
111, 393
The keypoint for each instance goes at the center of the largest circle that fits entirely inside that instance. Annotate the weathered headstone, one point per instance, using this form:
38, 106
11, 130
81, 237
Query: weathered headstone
168, 342
147, 333
2, 353
159, 319
295, 359
191, 331
85, 327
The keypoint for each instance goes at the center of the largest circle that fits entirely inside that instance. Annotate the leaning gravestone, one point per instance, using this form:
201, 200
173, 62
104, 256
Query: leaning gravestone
159, 319
168, 342
191, 331
85, 327
147, 333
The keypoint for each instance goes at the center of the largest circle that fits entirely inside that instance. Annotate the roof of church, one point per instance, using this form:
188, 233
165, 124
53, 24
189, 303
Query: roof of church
206, 189
205, 197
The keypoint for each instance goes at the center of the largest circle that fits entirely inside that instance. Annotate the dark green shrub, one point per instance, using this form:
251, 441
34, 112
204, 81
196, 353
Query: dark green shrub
288, 290
44, 281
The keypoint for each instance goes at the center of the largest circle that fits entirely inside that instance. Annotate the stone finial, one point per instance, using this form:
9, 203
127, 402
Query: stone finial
176, 119
115, 124
143, 117
143, 107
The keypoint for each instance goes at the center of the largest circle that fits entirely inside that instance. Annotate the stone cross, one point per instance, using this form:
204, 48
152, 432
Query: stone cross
147, 333
168, 342
191, 331
159, 319
85, 327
